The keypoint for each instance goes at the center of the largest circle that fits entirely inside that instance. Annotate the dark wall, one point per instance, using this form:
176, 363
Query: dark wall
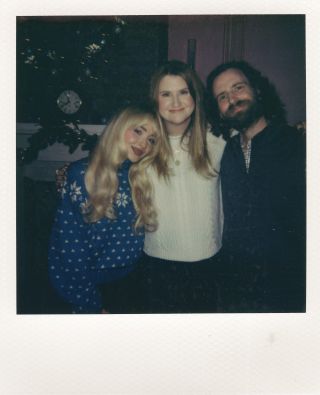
275, 44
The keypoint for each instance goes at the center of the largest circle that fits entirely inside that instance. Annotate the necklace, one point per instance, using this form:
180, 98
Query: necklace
176, 153
177, 148
246, 150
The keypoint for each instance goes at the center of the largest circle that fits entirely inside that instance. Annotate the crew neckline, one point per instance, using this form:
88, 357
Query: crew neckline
175, 137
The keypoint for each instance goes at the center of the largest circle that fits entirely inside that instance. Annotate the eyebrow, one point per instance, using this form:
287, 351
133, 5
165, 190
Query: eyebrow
155, 134
176, 90
240, 82
236, 83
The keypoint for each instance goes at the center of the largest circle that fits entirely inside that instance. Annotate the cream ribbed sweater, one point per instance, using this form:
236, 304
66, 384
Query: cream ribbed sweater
189, 208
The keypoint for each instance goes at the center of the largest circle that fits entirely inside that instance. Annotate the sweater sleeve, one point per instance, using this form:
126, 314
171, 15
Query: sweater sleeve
71, 250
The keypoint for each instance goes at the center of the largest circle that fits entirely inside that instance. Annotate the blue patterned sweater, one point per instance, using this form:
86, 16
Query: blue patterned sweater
83, 255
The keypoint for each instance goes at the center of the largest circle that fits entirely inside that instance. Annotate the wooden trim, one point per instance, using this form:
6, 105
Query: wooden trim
191, 52
233, 38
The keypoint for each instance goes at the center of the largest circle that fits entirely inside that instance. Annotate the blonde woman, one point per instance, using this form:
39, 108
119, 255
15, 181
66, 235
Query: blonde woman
181, 255
106, 204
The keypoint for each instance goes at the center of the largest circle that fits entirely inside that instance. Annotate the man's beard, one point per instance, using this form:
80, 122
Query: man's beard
244, 118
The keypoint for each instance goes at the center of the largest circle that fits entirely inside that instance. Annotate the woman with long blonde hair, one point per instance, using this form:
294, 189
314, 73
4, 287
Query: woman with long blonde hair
181, 255
106, 204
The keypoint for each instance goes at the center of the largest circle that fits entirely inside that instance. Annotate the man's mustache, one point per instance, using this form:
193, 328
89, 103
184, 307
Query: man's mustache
233, 106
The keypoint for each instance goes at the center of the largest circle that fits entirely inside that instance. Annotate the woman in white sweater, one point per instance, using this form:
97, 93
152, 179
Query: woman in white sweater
181, 256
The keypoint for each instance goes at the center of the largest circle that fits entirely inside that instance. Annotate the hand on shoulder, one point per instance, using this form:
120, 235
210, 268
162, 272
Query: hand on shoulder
217, 142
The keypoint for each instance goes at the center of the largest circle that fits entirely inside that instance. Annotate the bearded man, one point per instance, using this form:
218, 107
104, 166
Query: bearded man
263, 190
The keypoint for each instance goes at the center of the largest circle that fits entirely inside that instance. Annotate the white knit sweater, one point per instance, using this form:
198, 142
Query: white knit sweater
189, 208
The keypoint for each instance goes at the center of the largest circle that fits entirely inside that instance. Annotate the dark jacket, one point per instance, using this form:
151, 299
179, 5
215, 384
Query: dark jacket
264, 209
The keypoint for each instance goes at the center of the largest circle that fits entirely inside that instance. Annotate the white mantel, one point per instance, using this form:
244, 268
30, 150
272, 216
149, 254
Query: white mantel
52, 157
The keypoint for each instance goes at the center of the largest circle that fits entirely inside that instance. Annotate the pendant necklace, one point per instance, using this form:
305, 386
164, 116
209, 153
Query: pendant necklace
176, 145
176, 153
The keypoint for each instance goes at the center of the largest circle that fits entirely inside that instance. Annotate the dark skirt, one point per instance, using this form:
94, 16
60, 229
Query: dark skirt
177, 287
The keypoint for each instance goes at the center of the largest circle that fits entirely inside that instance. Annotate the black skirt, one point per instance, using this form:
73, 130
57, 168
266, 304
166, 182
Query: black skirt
178, 287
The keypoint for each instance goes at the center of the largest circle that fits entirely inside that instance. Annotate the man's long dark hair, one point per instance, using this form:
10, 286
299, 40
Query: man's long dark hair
273, 108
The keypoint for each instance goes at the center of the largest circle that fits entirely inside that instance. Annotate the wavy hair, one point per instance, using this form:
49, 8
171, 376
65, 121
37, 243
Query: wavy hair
101, 178
197, 130
269, 101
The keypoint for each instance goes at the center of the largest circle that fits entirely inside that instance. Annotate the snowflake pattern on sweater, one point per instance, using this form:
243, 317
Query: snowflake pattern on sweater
83, 255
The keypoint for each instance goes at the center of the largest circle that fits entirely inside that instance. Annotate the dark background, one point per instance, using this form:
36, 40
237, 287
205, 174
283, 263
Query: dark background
53, 55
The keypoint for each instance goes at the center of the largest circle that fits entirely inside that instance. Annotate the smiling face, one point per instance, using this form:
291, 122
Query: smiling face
140, 140
236, 99
175, 103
